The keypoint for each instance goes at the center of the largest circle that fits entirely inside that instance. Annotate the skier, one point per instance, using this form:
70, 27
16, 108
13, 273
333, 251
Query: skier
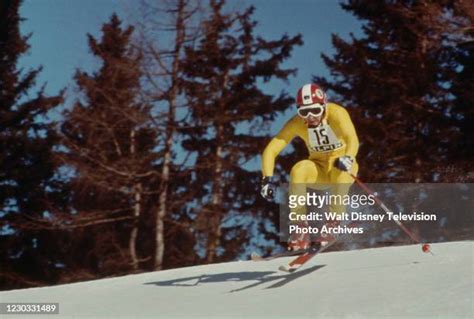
332, 143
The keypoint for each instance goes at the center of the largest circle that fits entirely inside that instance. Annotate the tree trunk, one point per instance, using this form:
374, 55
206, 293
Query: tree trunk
137, 197
162, 207
214, 233
137, 189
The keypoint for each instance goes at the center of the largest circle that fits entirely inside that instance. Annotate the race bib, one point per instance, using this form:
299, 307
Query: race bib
323, 139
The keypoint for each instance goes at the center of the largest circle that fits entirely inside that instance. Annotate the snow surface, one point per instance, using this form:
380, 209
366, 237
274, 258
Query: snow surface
395, 282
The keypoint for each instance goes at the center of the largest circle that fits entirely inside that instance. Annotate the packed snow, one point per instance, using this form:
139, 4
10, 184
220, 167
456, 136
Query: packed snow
400, 282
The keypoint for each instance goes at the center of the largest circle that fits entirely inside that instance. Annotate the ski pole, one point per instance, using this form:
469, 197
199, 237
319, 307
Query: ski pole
425, 247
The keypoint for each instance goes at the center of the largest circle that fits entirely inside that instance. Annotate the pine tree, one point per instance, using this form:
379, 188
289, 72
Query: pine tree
164, 40
109, 148
462, 64
226, 126
406, 83
28, 187
398, 81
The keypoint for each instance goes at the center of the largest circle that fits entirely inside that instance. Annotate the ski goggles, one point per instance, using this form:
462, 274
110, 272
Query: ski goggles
314, 110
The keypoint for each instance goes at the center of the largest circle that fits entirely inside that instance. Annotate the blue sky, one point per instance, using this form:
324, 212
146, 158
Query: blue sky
59, 29
59, 41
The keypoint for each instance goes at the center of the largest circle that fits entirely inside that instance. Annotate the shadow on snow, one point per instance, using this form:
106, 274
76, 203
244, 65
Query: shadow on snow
260, 278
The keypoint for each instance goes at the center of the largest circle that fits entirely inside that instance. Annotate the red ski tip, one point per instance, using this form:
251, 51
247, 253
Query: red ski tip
426, 248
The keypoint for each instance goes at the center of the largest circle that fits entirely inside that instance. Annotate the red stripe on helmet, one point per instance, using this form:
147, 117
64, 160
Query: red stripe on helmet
310, 94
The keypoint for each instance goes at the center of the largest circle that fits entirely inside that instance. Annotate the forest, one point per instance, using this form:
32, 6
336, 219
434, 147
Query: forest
149, 165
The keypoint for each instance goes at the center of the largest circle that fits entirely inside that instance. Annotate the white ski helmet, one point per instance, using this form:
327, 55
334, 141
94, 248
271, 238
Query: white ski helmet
310, 99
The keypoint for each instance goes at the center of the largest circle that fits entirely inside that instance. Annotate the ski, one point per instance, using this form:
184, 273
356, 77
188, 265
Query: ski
256, 257
299, 261
313, 251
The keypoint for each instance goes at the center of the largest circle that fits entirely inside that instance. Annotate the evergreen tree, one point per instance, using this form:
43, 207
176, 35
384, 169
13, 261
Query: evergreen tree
226, 127
109, 147
398, 81
463, 91
164, 40
407, 83
28, 187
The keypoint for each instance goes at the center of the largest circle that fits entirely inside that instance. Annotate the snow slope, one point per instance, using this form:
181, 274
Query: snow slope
392, 282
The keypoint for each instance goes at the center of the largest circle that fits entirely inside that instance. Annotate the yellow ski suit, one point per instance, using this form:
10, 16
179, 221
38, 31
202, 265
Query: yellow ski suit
334, 137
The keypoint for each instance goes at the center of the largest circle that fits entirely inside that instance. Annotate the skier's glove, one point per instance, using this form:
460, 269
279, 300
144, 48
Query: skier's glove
268, 188
344, 163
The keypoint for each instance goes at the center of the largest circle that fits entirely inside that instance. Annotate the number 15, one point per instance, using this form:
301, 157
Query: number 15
321, 136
